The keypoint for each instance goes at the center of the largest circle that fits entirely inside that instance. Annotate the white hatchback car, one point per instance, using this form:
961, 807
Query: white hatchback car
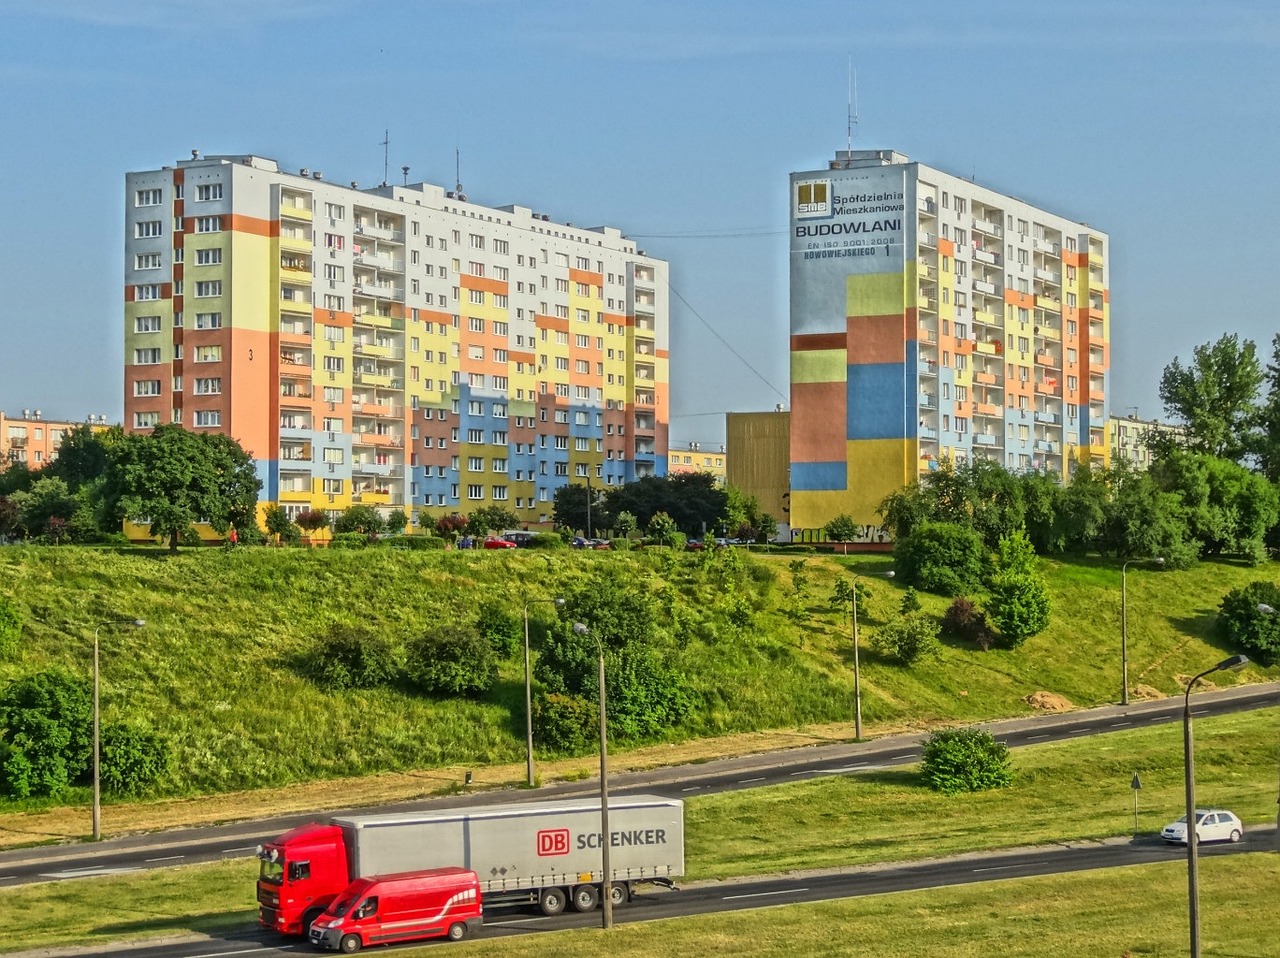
1212, 825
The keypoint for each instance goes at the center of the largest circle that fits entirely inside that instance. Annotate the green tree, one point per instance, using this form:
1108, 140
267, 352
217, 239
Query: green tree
46, 721
173, 478
942, 557
624, 523
841, 529
908, 639
280, 525
84, 455
1018, 605
1267, 436
965, 760
351, 657
1248, 628
663, 530
360, 518
1139, 519
47, 499
451, 659
1215, 396
397, 520
488, 519
1227, 509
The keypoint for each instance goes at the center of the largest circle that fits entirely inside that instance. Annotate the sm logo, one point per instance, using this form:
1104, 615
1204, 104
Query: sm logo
553, 841
813, 198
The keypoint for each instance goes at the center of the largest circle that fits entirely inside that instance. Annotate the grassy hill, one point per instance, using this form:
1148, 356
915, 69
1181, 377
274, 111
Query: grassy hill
214, 670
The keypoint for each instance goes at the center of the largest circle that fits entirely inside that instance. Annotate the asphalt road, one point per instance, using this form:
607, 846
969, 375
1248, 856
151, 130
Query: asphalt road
740, 895
212, 843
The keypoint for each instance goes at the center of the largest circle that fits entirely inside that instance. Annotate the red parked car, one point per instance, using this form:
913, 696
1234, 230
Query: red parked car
496, 542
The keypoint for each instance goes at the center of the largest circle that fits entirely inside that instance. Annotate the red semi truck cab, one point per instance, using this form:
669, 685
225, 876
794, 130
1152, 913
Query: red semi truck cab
301, 873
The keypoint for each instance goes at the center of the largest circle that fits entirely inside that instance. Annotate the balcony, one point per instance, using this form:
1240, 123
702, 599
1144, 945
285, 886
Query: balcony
982, 286
927, 433
380, 350
379, 232
1047, 246
928, 401
296, 396
378, 261
1048, 389
1048, 359
987, 379
1048, 276
990, 347
928, 368
986, 439
371, 437
924, 302
929, 240
987, 409
927, 206
372, 467
369, 317
297, 241
1045, 445
1048, 418
378, 290
982, 317
295, 495
1096, 359
986, 226
987, 256
926, 271
371, 378
1050, 304
292, 358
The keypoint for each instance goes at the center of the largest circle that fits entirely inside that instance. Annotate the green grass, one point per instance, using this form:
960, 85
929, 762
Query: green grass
212, 667
1076, 790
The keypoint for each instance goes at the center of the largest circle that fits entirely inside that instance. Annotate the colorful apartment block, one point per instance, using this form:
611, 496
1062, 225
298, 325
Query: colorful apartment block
399, 346
697, 457
32, 440
933, 318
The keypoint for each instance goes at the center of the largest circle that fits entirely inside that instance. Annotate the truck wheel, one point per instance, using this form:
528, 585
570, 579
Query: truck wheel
551, 901
350, 944
457, 931
619, 894
585, 897
309, 918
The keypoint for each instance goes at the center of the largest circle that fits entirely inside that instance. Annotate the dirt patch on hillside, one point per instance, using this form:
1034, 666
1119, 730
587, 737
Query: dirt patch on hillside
1145, 692
1048, 702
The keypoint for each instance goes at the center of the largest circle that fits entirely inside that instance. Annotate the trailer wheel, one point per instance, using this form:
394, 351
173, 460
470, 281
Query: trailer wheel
619, 894
350, 944
457, 931
585, 897
551, 901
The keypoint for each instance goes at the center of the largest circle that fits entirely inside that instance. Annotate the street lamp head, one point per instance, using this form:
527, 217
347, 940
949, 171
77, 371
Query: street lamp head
558, 603
580, 628
1233, 664
1266, 609
889, 574
1158, 560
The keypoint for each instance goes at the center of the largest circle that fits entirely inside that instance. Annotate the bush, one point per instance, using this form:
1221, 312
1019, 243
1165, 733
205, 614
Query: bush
503, 631
910, 601
965, 760
133, 759
564, 723
451, 660
363, 519
349, 540
1019, 602
48, 716
10, 626
941, 557
418, 543
908, 639
966, 622
547, 540
351, 657
1241, 623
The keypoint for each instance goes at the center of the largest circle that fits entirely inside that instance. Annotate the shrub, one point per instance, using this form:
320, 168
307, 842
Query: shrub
10, 626
547, 540
1019, 602
941, 557
133, 759
910, 601
364, 519
312, 519
418, 543
450, 660
349, 540
908, 639
966, 622
646, 698
965, 760
503, 631
1247, 628
351, 657
48, 716
564, 723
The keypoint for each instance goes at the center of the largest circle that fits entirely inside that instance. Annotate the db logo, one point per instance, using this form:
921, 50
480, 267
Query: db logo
553, 841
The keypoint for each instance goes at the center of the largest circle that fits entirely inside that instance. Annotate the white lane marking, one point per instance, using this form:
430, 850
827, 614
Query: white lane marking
996, 868
805, 771
848, 768
1119, 724
86, 872
691, 788
168, 858
743, 781
908, 755
1032, 738
244, 951
7, 877
765, 894
242, 848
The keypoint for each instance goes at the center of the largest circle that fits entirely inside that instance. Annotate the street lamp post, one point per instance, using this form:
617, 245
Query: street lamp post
528, 687
1124, 627
97, 722
1263, 607
857, 673
606, 875
1193, 841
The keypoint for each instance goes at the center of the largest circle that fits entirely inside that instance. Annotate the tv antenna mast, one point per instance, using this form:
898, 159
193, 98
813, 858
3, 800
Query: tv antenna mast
386, 142
457, 174
852, 115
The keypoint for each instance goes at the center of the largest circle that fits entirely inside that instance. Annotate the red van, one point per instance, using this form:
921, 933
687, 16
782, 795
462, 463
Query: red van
408, 906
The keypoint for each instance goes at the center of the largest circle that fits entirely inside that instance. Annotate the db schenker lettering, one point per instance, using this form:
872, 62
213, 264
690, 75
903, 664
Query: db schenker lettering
639, 836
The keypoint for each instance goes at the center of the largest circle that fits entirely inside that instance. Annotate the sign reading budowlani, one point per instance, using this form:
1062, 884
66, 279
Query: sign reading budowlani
843, 223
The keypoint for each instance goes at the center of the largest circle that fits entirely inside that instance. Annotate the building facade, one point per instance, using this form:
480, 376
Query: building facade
1129, 436
33, 440
759, 445
399, 346
934, 318
697, 457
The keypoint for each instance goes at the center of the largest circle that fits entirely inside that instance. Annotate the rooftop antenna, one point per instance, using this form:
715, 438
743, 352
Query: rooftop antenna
386, 142
852, 126
457, 173
405, 171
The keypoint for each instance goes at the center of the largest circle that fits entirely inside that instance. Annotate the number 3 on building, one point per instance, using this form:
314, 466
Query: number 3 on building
250, 355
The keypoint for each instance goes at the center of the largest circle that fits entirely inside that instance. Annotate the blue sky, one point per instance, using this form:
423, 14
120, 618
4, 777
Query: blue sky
677, 122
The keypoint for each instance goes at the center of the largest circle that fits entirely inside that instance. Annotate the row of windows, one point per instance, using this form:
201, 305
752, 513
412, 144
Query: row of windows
204, 418
150, 355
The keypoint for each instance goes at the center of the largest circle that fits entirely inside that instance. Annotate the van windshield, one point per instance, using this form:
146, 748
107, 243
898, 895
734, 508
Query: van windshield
272, 872
343, 905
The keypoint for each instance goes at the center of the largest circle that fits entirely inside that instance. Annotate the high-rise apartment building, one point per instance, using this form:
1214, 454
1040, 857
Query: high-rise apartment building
399, 346
934, 318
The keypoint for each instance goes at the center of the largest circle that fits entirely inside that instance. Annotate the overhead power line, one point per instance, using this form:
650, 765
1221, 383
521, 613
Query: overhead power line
727, 345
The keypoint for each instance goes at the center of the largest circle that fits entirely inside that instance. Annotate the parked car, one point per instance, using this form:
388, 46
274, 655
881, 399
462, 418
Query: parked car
599, 544
520, 537
694, 545
1212, 825
496, 542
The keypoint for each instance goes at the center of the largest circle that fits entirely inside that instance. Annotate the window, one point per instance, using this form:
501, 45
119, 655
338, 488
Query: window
334, 334
333, 393
208, 257
477, 241
208, 288
332, 486
334, 211
333, 454
475, 324
209, 387
146, 324
333, 241
475, 491
146, 387
476, 296
147, 198
146, 357
145, 420
208, 354
207, 417
147, 291
146, 228
333, 364
475, 463
209, 191
146, 261
208, 224
475, 435
498, 437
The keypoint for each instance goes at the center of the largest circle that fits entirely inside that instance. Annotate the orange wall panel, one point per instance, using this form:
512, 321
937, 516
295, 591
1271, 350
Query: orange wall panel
821, 438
